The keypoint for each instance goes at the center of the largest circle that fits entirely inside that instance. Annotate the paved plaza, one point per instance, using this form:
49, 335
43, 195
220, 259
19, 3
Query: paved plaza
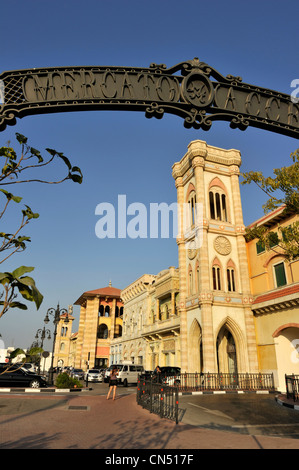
87, 420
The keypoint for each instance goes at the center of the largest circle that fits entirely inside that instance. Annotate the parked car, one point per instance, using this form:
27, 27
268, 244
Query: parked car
93, 375
77, 374
27, 366
127, 373
147, 375
15, 376
170, 375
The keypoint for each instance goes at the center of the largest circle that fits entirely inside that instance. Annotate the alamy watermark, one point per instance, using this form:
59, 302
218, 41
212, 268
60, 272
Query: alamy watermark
160, 220
1, 92
295, 93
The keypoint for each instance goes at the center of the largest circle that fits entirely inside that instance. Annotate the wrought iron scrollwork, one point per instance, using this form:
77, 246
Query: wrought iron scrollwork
192, 90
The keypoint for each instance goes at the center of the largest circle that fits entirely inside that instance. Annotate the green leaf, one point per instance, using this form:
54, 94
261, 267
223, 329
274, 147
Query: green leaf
65, 159
22, 270
10, 196
21, 138
51, 152
18, 305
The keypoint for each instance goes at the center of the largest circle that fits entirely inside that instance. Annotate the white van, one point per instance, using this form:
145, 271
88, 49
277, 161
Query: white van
127, 373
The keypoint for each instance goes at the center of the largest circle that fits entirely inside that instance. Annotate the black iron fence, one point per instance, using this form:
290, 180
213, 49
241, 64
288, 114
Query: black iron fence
221, 381
159, 394
159, 399
292, 386
215, 381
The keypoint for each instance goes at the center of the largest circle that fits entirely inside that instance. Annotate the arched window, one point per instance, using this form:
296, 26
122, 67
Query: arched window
62, 346
103, 331
231, 283
190, 281
218, 204
107, 311
116, 311
101, 310
231, 276
280, 278
216, 275
197, 279
218, 200
117, 331
192, 208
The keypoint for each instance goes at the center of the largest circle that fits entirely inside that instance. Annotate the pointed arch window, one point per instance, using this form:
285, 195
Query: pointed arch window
218, 200
192, 208
218, 205
216, 275
231, 276
190, 281
197, 278
231, 283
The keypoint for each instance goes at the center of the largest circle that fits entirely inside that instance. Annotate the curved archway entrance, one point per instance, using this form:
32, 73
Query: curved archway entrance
287, 353
226, 352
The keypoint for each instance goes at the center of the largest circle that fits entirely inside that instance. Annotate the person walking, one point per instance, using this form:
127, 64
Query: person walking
157, 374
113, 382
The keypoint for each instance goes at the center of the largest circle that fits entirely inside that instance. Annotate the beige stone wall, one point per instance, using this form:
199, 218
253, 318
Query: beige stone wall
276, 309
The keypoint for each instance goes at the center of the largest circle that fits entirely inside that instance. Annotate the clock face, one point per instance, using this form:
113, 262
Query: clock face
192, 249
222, 245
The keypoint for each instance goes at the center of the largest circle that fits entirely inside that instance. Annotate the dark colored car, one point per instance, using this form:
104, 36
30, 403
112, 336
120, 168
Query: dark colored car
170, 375
13, 376
77, 374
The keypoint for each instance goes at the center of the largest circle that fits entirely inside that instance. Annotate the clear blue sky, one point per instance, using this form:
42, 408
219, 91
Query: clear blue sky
122, 152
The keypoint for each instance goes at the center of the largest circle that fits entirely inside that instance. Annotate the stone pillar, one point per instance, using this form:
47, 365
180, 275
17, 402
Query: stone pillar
80, 339
182, 275
112, 319
244, 274
90, 334
208, 340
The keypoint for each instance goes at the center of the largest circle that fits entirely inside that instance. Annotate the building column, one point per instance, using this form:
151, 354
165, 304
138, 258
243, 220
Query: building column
208, 341
90, 336
80, 339
112, 319
244, 274
182, 275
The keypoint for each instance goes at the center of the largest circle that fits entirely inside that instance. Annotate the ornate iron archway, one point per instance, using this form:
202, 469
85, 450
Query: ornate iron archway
192, 90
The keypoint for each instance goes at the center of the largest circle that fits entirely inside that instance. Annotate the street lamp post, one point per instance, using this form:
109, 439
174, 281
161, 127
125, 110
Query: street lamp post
42, 333
56, 313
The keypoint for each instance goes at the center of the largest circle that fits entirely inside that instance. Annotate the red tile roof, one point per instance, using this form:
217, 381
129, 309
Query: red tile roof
102, 292
111, 291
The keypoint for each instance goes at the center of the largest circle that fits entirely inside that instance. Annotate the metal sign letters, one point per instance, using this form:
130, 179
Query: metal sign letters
199, 94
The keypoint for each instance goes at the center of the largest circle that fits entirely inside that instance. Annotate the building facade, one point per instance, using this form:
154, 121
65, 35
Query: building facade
100, 321
131, 346
161, 331
229, 307
63, 339
216, 321
275, 288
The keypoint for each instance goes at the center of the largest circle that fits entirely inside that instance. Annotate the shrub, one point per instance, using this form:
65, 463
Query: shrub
65, 381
